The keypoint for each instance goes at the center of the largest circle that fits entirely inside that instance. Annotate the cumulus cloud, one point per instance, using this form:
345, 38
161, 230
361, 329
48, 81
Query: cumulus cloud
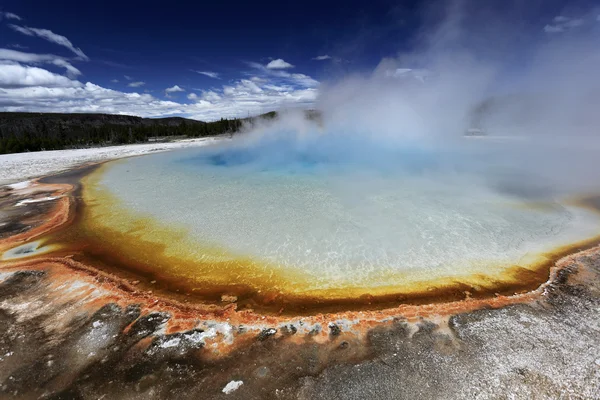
322, 58
174, 89
31, 58
9, 15
26, 86
239, 100
294, 79
51, 37
279, 64
561, 24
279, 88
16, 75
211, 96
85, 98
244, 98
303, 80
35, 89
250, 85
210, 74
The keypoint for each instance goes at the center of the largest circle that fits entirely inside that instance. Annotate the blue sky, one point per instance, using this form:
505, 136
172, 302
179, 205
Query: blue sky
207, 60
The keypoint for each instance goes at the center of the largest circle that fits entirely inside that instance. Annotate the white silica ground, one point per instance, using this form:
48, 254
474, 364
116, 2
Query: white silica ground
347, 221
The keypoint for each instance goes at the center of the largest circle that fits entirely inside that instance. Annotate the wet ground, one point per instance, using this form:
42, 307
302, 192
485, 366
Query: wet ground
70, 332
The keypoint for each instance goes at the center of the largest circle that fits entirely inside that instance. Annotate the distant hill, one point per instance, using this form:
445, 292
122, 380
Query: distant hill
49, 131
22, 131
20, 122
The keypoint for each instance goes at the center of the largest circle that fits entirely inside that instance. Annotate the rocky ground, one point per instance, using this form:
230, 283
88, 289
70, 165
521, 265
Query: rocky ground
548, 349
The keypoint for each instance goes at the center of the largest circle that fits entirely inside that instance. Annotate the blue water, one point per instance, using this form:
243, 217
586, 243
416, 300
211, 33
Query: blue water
328, 205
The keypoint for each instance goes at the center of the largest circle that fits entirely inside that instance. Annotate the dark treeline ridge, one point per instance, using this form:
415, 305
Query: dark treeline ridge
22, 132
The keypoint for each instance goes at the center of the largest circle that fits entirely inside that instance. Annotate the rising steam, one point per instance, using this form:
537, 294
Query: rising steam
535, 94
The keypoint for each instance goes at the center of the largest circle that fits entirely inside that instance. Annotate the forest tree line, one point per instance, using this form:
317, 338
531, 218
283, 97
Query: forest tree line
22, 132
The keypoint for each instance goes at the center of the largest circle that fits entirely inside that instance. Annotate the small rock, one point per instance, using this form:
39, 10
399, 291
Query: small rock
266, 333
228, 298
232, 386
289, 330
334, 330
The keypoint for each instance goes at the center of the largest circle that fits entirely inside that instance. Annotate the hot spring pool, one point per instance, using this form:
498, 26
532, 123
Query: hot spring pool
219, 220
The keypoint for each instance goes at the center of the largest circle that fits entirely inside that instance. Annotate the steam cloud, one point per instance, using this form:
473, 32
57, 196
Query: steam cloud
492, 67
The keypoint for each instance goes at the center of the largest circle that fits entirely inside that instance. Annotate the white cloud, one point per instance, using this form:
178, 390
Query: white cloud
16, 75
85, 98
408, 73
211, 96
9, 15
279, 64
228, 90
247, 97
71, 70
553, 29
294, 79
210, 74
29, 88
174, 89
322, 58
304, 80
561, 24
250, 86
30, 58
279, 88
51, 37
573, 23
26, 86
258, 66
